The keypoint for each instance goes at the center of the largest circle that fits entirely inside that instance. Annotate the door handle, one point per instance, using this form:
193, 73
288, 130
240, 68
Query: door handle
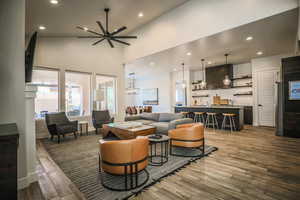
259, 105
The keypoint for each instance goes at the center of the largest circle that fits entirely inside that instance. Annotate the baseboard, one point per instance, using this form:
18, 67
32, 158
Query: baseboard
26, 181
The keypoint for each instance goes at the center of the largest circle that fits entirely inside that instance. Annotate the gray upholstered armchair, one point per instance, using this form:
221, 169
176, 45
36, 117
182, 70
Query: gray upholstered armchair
58, 124
101, 117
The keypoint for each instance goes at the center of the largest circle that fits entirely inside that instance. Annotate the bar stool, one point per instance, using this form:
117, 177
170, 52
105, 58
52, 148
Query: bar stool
199, 117
230, 116
185, 114
213, 122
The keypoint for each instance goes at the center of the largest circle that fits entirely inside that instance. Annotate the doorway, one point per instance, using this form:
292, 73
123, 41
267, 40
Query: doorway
266, 97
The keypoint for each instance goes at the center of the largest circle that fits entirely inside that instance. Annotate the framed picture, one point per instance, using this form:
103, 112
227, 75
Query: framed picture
294, 90
150, 96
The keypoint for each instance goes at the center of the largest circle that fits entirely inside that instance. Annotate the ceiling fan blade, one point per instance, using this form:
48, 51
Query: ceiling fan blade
81, 28
119, 30
113, 39
110, 43
98, 41
94, 33
89, 37
101, 27
125, 37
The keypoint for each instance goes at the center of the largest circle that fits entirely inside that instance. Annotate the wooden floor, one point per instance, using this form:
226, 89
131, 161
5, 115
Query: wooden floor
251, 164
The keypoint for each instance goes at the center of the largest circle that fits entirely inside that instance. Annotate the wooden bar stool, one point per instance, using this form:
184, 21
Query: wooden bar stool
211, 120
231, 124
199, 117
185, 114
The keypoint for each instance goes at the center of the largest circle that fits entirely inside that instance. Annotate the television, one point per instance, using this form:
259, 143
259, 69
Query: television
294, 90
29, 57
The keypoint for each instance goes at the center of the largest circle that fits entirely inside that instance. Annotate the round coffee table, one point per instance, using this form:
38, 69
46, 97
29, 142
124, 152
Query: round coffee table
159, 150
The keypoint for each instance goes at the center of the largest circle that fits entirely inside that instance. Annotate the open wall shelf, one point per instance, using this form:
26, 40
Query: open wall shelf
242, 77
197, 96
243, 94
238, 86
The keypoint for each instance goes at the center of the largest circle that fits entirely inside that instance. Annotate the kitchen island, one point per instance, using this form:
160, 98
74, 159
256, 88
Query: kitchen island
237, 110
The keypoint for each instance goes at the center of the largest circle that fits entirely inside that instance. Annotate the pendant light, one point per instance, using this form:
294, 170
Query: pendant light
226, 81
183, 84
203, 82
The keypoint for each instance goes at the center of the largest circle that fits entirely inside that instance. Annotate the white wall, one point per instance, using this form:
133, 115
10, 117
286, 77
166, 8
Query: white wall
151, 77
200, 18
79, 55
12, 73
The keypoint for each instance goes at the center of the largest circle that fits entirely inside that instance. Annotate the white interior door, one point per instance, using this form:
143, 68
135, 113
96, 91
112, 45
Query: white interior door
266, 97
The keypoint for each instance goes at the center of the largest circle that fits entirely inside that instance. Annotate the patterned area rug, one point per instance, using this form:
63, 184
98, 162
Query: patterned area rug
79, 161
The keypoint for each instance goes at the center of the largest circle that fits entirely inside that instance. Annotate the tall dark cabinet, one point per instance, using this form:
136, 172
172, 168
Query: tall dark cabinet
288, 110
9, 140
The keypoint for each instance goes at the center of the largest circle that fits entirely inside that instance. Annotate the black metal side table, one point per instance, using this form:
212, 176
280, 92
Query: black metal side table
159, 150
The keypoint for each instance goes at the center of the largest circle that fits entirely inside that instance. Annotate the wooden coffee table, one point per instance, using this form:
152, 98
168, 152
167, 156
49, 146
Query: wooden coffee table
127, 133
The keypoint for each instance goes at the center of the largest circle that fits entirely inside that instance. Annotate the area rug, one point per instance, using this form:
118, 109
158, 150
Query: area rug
79, 161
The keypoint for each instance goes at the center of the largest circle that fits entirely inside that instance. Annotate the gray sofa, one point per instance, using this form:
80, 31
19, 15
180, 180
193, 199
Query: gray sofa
162, 121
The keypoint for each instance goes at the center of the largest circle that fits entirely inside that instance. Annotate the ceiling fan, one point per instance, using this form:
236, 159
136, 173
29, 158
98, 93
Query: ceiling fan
106, 35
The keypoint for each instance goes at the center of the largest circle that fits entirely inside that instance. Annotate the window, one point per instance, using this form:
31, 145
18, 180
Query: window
107, 86
78, 93
180, 94
47, 91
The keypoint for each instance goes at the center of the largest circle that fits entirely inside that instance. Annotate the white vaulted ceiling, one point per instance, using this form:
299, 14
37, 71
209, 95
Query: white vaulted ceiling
273, 35
61, 19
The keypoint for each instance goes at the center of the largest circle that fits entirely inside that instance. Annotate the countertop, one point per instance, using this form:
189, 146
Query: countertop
214, 106
8, 129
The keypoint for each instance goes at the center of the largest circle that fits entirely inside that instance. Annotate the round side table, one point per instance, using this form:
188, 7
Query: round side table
81, 125
159, 150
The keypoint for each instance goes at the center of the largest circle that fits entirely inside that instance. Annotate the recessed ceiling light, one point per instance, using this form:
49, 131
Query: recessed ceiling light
54, 1
141, 14
259, 53
42, 27
85, 28
152, 63
249, 38
175, 69
188, 53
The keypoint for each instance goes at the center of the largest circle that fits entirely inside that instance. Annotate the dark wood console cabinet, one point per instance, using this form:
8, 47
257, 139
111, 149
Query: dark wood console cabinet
9, 140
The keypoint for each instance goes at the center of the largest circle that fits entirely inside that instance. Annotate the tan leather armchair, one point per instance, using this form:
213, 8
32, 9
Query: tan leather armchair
126, 158
188, 136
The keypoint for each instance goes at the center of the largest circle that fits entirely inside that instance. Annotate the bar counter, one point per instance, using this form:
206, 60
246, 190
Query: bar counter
237, 110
